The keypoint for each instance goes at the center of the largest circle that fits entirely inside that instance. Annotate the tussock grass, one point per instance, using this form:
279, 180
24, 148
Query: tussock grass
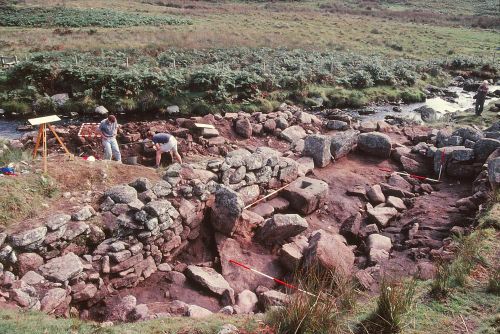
394, 304
494, 281
455, 273
321, 314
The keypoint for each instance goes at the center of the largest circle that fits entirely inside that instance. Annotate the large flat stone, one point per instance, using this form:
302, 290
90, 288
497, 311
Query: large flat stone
281, 227
28, 237
62, 268
210, 279
329, 251
306, 194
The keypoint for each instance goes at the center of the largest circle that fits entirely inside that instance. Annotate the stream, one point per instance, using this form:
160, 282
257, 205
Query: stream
464, 101
441, 105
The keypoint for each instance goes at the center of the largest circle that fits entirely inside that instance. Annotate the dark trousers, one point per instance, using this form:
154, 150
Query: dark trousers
479, 106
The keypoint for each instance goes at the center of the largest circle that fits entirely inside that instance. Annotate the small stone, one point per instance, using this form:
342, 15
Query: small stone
164, 267
54, 222
376, 195
197, 312
396, 202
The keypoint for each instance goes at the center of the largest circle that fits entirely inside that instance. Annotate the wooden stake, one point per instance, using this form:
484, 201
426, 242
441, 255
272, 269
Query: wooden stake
267, 196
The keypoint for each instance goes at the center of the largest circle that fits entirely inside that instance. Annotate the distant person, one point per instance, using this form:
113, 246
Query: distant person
109, 130
165, 142
481, 97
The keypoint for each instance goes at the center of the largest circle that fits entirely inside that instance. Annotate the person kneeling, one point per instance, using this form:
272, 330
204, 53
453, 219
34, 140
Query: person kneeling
165, 142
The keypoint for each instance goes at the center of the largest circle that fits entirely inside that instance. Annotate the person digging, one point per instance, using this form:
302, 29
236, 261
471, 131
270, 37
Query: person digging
165, 142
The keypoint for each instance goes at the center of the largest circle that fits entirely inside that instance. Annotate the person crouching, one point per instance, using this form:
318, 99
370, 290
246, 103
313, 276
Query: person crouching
165, 142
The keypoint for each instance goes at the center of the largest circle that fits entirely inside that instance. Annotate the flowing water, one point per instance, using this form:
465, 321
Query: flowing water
8, 129
464, 101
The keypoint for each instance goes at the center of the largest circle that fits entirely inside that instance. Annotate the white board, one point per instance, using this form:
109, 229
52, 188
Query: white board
45, 119
205, 126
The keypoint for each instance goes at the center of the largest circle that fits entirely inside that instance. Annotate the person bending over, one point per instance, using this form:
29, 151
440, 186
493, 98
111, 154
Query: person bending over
109, 129
165, 142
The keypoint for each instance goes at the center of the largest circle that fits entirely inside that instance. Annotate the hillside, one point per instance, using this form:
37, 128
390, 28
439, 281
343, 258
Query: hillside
340, 167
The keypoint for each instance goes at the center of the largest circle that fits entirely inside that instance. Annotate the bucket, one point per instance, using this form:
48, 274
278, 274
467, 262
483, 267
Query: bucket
131, 160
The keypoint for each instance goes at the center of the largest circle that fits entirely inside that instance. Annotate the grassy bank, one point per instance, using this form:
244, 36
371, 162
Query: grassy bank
13, 322
214, 80
22, 195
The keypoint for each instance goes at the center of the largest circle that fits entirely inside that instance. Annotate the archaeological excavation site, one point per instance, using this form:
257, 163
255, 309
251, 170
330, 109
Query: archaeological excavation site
257, 199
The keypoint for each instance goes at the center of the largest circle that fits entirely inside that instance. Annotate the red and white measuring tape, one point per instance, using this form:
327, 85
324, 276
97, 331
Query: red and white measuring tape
413, 176
271, 278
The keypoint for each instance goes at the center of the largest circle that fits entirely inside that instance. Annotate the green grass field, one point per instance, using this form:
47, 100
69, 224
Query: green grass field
306, 24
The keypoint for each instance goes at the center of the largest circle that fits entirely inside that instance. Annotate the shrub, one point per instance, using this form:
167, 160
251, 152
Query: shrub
264, 105
126, 105
380, 74
323, 313
405, 76
45, 105
16, 108
413, 96
361, 79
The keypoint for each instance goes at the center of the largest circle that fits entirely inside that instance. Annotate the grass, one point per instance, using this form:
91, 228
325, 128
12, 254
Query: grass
471, 308
290, 25
77, 18
455, 273
320, 314
394, 306
13, 322
22, 195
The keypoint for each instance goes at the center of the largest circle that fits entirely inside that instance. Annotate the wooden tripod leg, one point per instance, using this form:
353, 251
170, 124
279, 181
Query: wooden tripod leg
59, 139
38, 139
44, 149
